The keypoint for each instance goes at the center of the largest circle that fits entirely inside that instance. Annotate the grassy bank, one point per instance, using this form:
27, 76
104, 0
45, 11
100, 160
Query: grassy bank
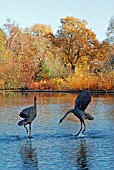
77, 82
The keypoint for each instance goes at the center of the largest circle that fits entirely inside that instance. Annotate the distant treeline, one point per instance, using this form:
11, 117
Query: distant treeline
73, 59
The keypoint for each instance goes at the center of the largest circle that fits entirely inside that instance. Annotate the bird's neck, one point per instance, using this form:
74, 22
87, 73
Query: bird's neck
35, 108
35, 104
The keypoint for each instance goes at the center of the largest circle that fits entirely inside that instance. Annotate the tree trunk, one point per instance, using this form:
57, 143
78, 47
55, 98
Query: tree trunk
73, 68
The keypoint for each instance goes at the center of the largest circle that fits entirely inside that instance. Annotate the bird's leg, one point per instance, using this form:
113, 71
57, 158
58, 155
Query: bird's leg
84, 127
30, 131
26, 129
80, 129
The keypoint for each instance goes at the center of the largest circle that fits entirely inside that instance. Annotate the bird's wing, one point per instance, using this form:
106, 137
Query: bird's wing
27, 111
83, 100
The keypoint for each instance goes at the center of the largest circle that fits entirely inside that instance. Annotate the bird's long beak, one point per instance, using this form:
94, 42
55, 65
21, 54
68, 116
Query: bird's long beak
60, 121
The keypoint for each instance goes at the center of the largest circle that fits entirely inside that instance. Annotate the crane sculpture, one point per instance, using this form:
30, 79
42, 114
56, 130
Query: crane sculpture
29, 114
81, 103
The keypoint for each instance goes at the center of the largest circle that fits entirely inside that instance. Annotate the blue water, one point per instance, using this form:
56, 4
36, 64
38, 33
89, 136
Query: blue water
55, 146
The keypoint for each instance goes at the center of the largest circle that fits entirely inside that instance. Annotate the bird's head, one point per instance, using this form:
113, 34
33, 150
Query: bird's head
60, 121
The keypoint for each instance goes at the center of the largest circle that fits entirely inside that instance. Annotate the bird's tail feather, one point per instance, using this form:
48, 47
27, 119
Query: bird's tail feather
88, 116
23, 122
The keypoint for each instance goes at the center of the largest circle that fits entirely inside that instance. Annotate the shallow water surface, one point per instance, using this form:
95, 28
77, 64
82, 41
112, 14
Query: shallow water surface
55, 146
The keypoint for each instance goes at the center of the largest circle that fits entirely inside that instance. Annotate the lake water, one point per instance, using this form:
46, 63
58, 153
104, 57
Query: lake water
53, 146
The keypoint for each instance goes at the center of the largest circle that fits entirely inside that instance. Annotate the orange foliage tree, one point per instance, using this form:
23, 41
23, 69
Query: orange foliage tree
9, 74
33, 54
48, 54
78, 42
21, 44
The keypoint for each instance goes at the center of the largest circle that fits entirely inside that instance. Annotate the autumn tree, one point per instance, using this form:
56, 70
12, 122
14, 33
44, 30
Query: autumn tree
41, 29
21, 44
9, 77
3, 42
31, 54
27, 58
47, 53
77, 41
110, 31
110, 40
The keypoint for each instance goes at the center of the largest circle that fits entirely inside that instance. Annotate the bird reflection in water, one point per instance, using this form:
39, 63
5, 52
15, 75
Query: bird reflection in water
29, 156
82, 156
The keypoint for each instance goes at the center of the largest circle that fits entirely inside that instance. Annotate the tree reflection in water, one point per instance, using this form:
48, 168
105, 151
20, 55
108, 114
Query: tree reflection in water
29, 156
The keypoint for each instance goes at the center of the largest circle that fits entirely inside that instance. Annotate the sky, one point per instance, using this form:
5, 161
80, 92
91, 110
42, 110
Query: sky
26, 13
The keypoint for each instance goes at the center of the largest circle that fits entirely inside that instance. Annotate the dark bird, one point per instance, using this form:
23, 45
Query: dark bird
29, 114
81, 103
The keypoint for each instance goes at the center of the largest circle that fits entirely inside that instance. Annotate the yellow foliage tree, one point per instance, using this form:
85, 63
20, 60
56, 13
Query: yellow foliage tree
78, 42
